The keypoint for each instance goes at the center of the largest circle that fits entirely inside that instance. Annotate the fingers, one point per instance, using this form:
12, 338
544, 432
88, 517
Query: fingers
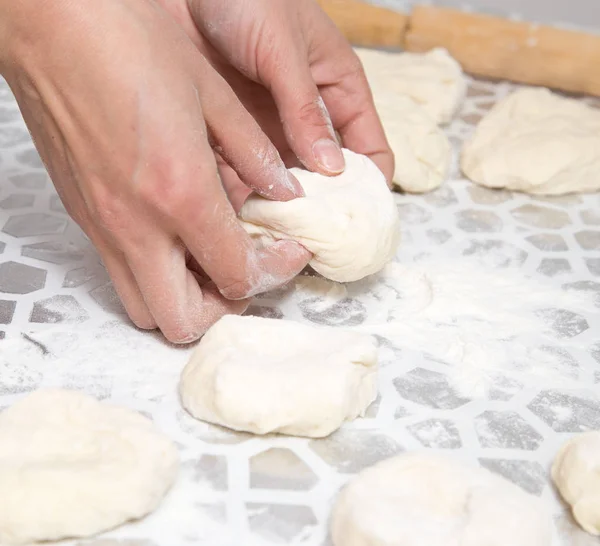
241, 142
182, 309
355, 118
228, 255
305, 118
350, 104
125, 284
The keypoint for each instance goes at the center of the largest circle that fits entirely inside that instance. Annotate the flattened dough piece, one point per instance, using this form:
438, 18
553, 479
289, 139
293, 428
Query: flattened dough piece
537, 142
421, 499
265, 375
71, 466
434, 80
423, 152
349, 222
576, 473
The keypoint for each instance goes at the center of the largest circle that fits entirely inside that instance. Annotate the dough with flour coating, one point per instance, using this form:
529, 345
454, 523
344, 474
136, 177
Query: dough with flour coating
265, 375
71, 466
349, 222
423, 152
434, 80
420, 499
576, 473
537, 142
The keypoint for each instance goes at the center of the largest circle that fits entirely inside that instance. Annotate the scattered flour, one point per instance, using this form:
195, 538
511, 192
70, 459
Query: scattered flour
485, 323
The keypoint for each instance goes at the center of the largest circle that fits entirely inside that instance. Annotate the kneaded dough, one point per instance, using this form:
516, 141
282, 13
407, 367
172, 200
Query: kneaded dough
537, 142
434, 80
423, 152
265, 375
576, 473
71, 466
349, 222
422, 499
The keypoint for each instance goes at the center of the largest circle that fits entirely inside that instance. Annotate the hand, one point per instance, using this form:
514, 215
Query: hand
124, 111
293, 50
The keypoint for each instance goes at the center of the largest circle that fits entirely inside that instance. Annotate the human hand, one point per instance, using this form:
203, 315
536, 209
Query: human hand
293, 50
124, 111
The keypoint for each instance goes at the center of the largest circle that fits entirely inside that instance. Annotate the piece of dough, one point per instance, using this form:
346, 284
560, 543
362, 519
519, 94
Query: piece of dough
424, 499
423, 152
576, 473
265, 375
349, 222
71, 466
537, 142
434, 80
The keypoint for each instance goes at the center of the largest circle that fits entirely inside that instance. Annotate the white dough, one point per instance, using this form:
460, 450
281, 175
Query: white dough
434, 80
349, 222
576, 473
422, 499
71, 466
422, 150
265, 375
537, 142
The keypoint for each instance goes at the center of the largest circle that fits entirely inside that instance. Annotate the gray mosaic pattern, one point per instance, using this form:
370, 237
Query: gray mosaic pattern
62, 325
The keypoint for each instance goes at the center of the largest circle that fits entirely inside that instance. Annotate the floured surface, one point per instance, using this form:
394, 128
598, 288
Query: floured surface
235, 489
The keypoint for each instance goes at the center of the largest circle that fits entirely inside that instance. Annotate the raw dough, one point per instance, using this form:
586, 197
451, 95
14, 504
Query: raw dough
266, 375
349, 222
423, 499
73, 467
576, 473
434, 80
537, 142
422, 150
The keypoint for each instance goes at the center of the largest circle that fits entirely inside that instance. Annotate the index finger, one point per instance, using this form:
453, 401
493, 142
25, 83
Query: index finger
350, 104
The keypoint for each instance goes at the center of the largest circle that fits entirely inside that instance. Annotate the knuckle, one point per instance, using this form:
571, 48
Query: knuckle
314, 113
169, 190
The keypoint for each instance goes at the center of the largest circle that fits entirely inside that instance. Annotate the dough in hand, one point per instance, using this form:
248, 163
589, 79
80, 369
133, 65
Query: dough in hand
576, 473
434, 80
71, 466
422, 150
265, 375
537, 142
422, 499
349, 222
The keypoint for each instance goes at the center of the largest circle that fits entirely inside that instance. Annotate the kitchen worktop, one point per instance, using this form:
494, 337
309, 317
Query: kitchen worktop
61, 324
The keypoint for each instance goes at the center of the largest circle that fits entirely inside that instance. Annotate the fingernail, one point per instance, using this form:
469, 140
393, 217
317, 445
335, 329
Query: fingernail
328, 155
296, 186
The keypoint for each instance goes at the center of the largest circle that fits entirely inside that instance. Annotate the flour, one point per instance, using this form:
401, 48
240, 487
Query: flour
484, 323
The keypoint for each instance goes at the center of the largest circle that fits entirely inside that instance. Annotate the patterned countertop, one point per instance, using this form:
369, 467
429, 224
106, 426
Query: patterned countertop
61, 324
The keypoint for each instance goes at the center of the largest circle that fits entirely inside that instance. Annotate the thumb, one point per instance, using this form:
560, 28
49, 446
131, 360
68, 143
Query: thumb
306, 122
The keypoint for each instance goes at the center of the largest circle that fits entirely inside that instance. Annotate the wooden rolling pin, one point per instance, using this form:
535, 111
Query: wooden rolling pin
491, 47
367, 25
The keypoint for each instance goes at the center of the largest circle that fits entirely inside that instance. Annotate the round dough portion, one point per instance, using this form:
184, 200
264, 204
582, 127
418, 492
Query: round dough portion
421, 498
576, 473
349, 222
265, 375
537, 142
71, 466
434, 80
423, 152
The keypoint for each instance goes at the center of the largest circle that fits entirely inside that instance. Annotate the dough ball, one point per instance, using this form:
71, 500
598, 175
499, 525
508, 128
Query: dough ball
266, 375
537, 142
576, 473
423, 152
73, 467
349, 222
434, 80
423, 499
